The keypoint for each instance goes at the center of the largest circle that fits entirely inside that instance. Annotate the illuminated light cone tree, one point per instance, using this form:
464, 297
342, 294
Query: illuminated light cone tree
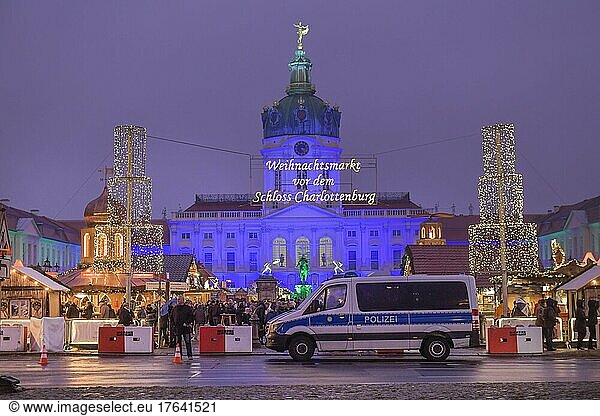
501, 244
129, 243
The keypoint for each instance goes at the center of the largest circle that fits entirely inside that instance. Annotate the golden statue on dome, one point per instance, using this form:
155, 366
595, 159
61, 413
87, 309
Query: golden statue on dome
302, 31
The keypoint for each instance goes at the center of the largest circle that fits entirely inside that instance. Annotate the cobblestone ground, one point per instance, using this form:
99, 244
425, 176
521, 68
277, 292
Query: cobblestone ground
421, 391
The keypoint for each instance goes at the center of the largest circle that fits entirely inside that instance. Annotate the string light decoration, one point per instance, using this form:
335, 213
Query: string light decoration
501, 241
130, 243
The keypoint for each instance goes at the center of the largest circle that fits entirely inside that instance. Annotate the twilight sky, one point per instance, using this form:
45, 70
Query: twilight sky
403, 73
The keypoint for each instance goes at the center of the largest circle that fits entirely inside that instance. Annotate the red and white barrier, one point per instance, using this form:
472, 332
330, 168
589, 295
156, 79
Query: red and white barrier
224, 339
125, 339
238, 339
514, 340
139, 339
13, 338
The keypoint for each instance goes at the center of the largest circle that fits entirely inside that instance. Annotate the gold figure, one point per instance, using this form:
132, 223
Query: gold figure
302, 31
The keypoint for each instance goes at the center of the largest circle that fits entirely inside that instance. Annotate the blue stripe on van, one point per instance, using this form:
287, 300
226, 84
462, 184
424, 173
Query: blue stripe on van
440, 318
381, 319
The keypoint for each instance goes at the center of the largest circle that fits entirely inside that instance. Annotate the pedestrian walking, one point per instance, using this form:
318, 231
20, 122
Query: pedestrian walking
183, 320
163, 328
549, 321
260, 314
539, 313
580, 323
592, 322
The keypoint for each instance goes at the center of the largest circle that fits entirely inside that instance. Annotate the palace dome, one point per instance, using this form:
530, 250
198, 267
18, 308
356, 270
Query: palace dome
300, 111
96, 211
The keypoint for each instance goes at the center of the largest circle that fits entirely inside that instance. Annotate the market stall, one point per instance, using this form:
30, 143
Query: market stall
586, 286
30, 293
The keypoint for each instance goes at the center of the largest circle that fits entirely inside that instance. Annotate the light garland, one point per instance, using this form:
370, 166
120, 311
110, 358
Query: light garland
129, 187
484, 238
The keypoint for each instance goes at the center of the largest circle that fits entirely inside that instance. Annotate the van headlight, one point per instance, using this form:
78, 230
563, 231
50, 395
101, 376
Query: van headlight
274, 327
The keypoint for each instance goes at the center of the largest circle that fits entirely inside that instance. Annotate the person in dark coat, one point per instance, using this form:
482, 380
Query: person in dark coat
199, 318
125, 315
183, 321
580, 323
73, 311
211, 312
239, 313
549, 318
260, 314
592, 321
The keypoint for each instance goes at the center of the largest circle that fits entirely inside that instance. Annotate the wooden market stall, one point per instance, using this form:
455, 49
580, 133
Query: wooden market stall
30, 293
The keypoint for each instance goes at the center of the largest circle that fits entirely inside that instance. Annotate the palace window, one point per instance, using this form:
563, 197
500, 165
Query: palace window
374, 260
352, 260
397, 256
208, 236
278, 180
302, 248
325, 251
253, 236
279, 250
230, 235
253, 260
185, 236
326, 179
208, 261
351, 233
231, 261
301, 175
374, 233
396, 233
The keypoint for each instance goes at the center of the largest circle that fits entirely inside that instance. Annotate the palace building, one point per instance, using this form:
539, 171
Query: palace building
302, 208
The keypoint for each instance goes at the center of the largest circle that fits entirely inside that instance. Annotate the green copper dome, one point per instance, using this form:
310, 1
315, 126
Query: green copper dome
300, 111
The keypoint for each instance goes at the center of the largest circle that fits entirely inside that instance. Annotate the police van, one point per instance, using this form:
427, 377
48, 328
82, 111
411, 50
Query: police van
428, 313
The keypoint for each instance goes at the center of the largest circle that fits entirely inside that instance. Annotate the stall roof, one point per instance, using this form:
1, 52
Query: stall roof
86, 279
581, 280
42, 279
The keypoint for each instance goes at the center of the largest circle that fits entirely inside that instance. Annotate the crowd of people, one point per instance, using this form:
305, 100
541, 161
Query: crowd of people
178, 320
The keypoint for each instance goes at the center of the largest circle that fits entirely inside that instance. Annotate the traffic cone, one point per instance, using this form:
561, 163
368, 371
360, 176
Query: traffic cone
177, 359
44, 357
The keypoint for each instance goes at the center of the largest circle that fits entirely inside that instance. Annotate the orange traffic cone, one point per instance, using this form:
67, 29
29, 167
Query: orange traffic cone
44, 358
177, 359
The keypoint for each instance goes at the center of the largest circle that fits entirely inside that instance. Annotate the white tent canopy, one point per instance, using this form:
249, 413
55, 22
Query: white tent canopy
41, 279
581, 280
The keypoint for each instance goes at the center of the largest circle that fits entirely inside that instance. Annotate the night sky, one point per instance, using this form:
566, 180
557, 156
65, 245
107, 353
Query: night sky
403, 73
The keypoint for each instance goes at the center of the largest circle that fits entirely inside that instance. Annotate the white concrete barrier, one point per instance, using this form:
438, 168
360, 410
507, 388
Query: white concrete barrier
13, 338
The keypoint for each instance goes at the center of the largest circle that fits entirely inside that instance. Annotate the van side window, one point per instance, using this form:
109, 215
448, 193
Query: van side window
332, 297
374, 297
438, 295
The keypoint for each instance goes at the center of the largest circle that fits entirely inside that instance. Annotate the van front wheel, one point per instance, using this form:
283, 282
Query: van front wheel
301, 348
435, 349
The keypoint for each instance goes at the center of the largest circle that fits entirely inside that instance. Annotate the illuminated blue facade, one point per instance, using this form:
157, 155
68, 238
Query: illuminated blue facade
234, 237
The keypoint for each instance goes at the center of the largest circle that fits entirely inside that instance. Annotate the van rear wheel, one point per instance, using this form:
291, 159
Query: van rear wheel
435, 349
301, 348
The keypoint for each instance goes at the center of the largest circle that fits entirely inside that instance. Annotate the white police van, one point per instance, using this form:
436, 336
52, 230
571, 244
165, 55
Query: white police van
428, 313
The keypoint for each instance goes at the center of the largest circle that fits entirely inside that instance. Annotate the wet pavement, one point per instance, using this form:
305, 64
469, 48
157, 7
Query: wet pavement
464, 366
